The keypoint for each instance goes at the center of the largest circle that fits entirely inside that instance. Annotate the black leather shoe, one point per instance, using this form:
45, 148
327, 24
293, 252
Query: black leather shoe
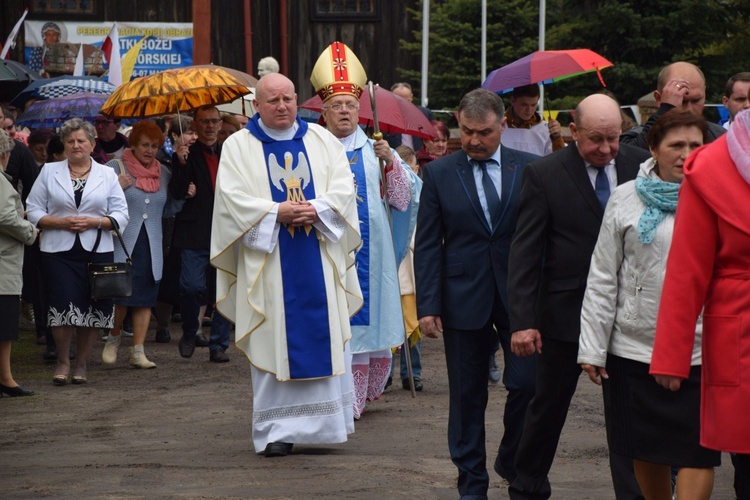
50, 354
417, 384
201, 340
218, 356
278, 449
14, 392
163, 336
186, 346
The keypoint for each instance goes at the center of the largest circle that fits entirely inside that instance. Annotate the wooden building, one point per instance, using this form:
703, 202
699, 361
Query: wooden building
238, 33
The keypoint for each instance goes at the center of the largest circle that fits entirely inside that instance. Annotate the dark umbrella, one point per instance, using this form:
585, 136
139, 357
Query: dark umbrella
56, 111
14, 77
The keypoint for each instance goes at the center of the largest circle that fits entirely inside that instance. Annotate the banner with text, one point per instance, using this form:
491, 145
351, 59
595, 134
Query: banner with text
51, 45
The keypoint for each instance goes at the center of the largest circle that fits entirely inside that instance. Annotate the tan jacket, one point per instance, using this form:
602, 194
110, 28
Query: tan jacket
15, 232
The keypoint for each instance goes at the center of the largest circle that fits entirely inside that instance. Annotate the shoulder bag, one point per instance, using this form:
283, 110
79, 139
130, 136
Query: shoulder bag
112, 280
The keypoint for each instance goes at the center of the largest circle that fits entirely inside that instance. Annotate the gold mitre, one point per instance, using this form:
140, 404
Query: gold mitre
338, 72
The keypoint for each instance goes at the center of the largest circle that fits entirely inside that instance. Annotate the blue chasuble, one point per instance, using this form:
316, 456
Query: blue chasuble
305, 299
357, 164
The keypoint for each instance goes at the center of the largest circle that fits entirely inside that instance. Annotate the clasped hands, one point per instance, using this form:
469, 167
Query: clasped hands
297, 213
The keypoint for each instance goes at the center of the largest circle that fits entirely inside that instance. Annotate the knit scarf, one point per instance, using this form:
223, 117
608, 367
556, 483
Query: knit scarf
738, 143
147, 178
660, 198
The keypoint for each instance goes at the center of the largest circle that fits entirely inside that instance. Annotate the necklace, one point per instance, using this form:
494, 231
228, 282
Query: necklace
76, 175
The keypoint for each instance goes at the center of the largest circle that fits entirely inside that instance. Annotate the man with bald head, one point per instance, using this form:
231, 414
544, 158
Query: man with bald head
285, 228
679, 85
560, 210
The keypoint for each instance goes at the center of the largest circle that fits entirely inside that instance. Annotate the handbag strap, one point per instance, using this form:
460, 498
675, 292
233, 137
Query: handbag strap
116, 229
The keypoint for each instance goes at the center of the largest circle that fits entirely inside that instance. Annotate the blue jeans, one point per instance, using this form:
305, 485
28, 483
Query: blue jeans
196, 269
416, 361
220, 328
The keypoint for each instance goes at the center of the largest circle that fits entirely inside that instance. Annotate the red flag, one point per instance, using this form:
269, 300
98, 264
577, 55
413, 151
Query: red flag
111, 49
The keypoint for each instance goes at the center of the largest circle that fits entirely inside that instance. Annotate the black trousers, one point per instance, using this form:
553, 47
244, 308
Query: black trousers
741, 476
557, 377
466, 355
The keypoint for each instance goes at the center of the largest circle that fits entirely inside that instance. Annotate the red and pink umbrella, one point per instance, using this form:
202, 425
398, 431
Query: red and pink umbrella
396, 115
546, 66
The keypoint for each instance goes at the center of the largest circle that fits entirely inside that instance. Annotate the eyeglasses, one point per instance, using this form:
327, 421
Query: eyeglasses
103, 122
351, 106
212, 121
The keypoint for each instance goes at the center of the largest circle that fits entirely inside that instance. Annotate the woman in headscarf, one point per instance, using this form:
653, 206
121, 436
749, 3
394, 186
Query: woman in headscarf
708, 269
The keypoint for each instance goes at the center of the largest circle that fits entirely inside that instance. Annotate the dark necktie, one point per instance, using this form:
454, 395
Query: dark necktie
490, 192
602, 187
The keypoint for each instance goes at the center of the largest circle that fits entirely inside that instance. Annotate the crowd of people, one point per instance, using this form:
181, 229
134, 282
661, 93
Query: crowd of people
330, 253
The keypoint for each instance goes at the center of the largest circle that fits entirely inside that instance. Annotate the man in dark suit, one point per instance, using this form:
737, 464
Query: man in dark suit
194, 179
679, 85
466, 220
561, 207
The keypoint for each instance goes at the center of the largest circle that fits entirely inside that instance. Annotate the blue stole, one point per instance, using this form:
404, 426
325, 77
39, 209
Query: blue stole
308, 333
357, 164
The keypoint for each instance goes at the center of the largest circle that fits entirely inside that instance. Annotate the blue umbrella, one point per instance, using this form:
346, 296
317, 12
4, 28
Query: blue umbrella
57, 110
62, 86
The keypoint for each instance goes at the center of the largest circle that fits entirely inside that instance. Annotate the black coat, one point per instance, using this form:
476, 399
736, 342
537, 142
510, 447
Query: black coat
192, 228
558, 224
23, 169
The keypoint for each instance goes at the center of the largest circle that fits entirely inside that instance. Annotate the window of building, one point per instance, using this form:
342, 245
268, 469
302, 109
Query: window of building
62, 8
345, 10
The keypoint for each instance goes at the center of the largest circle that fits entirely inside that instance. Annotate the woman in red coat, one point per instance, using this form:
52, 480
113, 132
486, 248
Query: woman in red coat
709, 268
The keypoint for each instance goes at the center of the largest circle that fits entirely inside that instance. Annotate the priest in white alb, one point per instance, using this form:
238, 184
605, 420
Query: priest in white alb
284, 233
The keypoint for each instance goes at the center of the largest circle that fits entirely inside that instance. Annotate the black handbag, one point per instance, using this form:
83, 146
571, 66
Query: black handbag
112, 280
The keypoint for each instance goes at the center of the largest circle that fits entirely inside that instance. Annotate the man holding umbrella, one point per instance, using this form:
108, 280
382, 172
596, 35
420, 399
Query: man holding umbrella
339, 79
524, 128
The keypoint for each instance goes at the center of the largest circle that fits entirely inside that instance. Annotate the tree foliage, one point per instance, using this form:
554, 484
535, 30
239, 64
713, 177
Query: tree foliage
455, 43
638, 36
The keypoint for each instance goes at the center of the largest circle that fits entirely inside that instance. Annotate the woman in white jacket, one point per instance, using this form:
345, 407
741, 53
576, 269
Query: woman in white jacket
654, 427
70, 202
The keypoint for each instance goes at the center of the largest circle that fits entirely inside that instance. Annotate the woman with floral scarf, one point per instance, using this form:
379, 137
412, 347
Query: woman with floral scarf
655, 428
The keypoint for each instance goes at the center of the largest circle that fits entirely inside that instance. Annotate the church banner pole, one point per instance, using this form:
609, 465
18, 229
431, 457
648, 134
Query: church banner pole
378, 135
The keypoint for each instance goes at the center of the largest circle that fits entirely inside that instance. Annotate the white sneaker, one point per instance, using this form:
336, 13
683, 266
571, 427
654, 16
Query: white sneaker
109, 354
